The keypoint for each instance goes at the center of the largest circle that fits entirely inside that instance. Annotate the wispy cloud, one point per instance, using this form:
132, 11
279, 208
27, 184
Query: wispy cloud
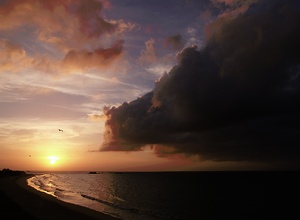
148, 55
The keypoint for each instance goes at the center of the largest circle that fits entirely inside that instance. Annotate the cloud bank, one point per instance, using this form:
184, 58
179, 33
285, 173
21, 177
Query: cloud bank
237, 99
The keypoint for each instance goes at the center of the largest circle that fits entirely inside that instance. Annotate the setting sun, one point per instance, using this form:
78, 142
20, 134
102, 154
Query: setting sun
53, 159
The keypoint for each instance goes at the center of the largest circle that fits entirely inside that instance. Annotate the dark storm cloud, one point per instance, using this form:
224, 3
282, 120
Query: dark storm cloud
236, 99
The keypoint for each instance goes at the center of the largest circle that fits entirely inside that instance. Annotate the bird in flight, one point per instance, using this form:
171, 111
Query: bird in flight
61, 130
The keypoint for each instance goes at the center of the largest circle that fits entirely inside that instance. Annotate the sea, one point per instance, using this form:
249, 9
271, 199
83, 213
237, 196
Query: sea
177, 195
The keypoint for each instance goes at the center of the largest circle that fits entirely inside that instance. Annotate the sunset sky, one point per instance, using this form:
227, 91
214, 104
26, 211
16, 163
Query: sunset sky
149, 85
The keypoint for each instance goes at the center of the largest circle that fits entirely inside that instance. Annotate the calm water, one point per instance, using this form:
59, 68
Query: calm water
174, 195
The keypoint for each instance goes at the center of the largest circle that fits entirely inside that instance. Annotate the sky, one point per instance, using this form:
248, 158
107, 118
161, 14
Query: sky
149, 85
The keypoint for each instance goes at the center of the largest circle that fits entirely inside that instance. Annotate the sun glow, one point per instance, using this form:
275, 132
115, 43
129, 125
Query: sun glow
53, 159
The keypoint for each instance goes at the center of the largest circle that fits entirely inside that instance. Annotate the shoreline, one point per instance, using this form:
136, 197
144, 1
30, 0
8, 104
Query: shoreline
236, 195
29, 201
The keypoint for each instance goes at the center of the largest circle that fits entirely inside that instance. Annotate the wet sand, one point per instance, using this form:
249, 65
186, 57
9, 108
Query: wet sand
17, 200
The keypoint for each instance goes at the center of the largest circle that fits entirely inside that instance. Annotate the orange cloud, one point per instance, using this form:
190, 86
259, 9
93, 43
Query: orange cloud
64, 24
12, 57
73, 32
91, 23
84, 59
149, 54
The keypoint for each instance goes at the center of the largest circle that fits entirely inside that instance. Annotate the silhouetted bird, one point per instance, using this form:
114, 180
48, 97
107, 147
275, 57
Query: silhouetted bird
60, 130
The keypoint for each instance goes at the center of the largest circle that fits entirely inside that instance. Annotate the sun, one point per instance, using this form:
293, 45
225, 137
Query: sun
53, 159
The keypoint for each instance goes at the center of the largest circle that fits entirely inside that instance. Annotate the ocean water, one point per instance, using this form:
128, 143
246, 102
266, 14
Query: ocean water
175, 195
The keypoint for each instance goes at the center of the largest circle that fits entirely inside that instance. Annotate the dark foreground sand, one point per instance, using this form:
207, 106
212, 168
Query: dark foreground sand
18, 200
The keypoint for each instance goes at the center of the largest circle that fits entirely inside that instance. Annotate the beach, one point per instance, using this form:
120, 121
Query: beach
18, 200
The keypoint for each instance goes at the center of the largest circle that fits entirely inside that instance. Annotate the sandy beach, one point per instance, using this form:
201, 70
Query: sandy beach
18, 200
